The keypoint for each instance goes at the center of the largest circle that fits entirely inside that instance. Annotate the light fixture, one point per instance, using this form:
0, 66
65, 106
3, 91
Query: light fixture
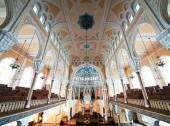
131, 76
15, 64
160, 62
86, 22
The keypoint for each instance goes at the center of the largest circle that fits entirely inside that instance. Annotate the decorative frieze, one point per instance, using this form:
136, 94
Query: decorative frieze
136, 63
7, 40
164, 38
38, 64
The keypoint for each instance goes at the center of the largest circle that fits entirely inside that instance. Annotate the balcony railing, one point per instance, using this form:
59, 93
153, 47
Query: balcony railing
156, 104
10, 106
18, 105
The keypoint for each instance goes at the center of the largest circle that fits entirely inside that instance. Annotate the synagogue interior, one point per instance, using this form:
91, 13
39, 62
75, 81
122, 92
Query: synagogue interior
84, 62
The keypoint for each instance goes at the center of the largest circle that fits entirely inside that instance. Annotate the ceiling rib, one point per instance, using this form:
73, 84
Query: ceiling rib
65, 10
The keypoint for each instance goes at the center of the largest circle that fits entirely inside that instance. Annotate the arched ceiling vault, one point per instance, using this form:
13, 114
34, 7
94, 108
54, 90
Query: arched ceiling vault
73, 38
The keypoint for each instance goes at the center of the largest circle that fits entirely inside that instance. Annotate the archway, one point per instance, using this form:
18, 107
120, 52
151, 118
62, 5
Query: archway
87, 79
28, 41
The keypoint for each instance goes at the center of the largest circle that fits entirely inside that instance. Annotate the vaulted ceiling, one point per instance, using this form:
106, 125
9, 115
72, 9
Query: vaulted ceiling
65, 13
74, 38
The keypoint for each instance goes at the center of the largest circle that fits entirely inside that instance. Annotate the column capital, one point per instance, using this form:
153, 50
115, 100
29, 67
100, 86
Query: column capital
164, 38
120, 71
38, 64
53, 72
136, 63
7, 40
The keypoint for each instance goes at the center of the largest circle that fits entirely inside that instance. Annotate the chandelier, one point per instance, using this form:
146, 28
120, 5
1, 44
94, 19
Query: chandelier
16, 64
131, 76
86, 22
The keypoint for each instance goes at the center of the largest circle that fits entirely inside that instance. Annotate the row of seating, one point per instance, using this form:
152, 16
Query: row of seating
21, 93
153, 92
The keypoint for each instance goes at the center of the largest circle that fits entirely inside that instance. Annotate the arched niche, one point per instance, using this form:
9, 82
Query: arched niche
6, 72
148, 78
145, 39
87, 76
28, 41
3, 12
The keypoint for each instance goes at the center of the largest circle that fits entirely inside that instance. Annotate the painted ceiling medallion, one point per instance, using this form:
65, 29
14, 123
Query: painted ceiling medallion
86, 21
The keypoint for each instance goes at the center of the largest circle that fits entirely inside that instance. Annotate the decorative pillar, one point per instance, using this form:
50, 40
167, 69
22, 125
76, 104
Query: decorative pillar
101, 93
136, 65
79, 93
62, 77
53, 73
129, 115
83, 109
37, 67
112, 81
91, 109
117, 112
123, 86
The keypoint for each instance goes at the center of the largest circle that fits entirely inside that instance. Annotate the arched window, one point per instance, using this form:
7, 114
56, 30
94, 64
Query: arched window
130, 18
6, 71
135, 80
42, 19
147, 76
47, 27
26, 78
136, 7
36, 9
125, 26
2, 11
168, 8
39, 81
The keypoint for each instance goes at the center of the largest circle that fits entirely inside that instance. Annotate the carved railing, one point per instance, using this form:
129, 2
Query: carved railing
38, 102
54, 100
160, 104
121, 100
10, 106
18, 105
156, 104
139, 102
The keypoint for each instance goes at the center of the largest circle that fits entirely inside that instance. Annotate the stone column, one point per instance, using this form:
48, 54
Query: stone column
79, 93
117, 112
83, 109
37, 66
53, 73
129, 115
101, 92
156, 73
136, 65
123, 87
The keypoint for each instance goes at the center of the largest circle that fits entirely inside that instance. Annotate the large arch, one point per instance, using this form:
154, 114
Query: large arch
92, 73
